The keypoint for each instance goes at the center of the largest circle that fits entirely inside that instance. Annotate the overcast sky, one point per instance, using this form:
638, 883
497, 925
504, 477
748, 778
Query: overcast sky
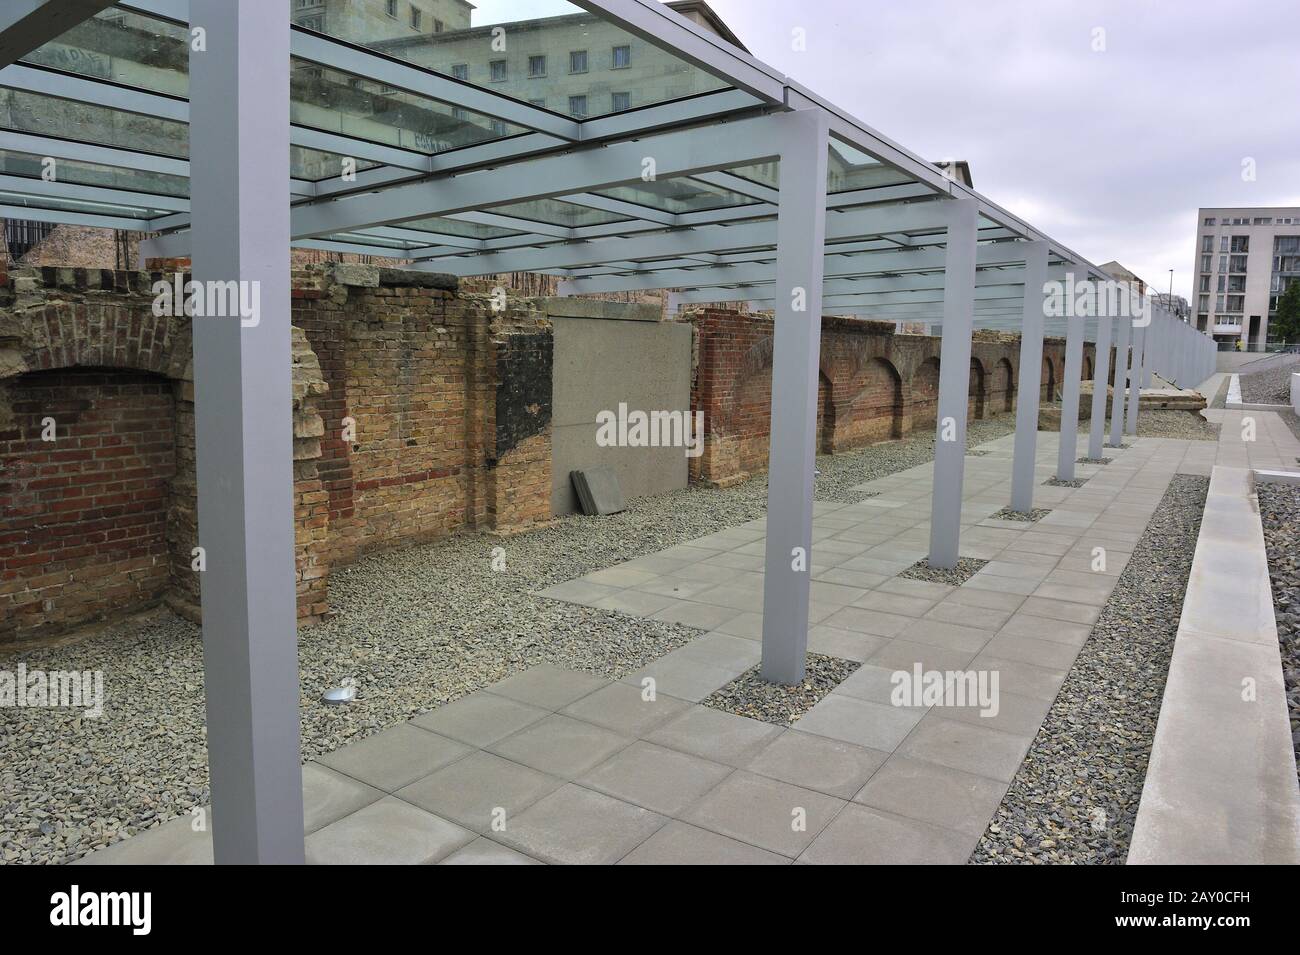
1109, 152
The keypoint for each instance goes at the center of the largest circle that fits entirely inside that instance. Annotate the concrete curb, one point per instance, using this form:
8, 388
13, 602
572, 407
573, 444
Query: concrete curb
1234, 402
1221, 784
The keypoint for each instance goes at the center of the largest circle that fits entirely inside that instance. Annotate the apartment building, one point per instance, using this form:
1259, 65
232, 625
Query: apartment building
1245, 258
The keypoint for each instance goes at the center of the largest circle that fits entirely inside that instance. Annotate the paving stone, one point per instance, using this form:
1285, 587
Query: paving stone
966, 615
894, 603
863, 620
486, 852
387, 832
1060, 610
1024, 678
765, 812
698, 615
635, 603
576, 826
622, 707
873, 725
662, 780
950, 636
906, 654
1043, 653
969, 748
328, 796
816, 762
678, 843
1041, 628
561, 746
715, 735
844, 644
548, 686
935, 794
685, 677
394, 757
480, 719
173, 843
471, 790
579, 591
1016, 713
861, 835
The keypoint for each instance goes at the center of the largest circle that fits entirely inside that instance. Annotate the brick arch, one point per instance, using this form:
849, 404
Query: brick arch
976, 391
924, 396
874, 411
1004, 386
77, 335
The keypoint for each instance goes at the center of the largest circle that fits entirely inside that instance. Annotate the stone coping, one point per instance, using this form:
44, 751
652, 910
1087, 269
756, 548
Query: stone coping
1221, 784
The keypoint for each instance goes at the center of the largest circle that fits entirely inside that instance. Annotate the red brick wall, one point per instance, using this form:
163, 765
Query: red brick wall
85, 525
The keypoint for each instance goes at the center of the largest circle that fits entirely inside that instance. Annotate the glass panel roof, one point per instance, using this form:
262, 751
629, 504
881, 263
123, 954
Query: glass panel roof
677, 195
77, 205
457, 227
555, 212
550, 53
847, 170
32, 166
90, 123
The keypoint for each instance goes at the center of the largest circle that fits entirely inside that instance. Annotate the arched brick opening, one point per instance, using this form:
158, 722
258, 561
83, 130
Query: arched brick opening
975, 391
925, 394
1049, 380
86, 467
1004, 388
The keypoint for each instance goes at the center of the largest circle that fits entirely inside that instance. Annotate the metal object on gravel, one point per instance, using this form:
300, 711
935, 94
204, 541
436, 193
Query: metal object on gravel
1075, 796
1279, 510
752, 696
1032, 516
967, 567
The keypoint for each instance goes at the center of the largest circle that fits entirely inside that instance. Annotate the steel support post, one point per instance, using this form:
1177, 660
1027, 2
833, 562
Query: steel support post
1124, 330
1068, 448
1135, 378
239, 161
954, 382
1100, 372
801, 230
1029, 379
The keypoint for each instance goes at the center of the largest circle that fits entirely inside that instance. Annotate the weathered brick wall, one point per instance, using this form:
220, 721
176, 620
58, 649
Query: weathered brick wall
874, 384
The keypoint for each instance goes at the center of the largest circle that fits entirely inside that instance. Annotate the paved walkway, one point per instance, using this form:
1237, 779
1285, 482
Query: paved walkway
564, 767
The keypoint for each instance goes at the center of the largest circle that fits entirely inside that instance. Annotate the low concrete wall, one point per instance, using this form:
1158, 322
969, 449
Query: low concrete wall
1221, 784
1295, 392
607, 353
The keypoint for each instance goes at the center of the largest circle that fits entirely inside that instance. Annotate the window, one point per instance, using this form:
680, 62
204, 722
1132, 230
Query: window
1237, 263
1236, 303
416, 14
537, 66
1237, 283
1240, 244
620, 101
1223, 263
578, 61
390, 7
460, 71
1205, 283
1206, 261
1207, 243
313, 23
578, 107
622, 58
1204, 303
1223, 243
499, 128
1209, 220
1218, 303
1223, 283
1263, 220
499, 71
437, 26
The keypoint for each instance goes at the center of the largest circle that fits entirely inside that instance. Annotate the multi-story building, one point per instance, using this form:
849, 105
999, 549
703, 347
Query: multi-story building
1245, 258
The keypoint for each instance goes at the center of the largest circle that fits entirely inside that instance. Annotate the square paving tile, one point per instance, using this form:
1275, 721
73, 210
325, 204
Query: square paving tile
480, 719
816, 762
394, 757
967, 747
861, 835
328, 796
561, 746
715, 735
1024, 678
863, 620
844, 644
662, 780
680, 844
947, 635
1042, 653
486, 852
685, 677
1016, 713
624, 709
475, 791
387, 832
935, 794
698, 615
548, 686
765, 812
873, 725
576, 826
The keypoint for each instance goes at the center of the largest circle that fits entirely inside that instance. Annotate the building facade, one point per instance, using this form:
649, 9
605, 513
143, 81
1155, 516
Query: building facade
1245, 259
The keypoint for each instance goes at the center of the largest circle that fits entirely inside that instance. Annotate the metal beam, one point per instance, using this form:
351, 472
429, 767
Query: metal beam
26, 25
1100, 374
243, 422
1028, 381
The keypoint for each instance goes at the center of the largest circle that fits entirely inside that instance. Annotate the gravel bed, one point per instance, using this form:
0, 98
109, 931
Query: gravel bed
750, 695
1220, 400
1279, 509
976, 454
414, 629
1075, 796
1093, 460
1271, 387
1057, 482
1292, 422
967, 567
1033, 516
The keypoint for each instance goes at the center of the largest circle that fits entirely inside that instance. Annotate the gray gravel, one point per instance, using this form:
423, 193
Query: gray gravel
1279, 509
1271, 387
967, 567
1076, 794
1086, 460
752, 696
414, 629
1057, 482
1032, 516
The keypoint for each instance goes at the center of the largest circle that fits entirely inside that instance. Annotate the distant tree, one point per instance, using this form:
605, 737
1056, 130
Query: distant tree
1286, 322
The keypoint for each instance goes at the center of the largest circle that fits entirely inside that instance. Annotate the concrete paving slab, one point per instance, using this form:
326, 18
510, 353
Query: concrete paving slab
764, 812
387, 832
479, 790
678, 843
662, 780
561, 746
577, 826
395, 757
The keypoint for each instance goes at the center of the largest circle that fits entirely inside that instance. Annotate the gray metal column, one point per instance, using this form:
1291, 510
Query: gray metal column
1124, 329
1135, 378
801, 231
239, 162
954, 382
1100, 371
1152, 347
1068, 449
1029, 378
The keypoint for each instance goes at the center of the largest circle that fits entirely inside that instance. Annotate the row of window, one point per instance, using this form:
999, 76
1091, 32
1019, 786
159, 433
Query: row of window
415, 16
1239, 244
1257, 220
1227, 263
1222, 303
1227, 283
499, 70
